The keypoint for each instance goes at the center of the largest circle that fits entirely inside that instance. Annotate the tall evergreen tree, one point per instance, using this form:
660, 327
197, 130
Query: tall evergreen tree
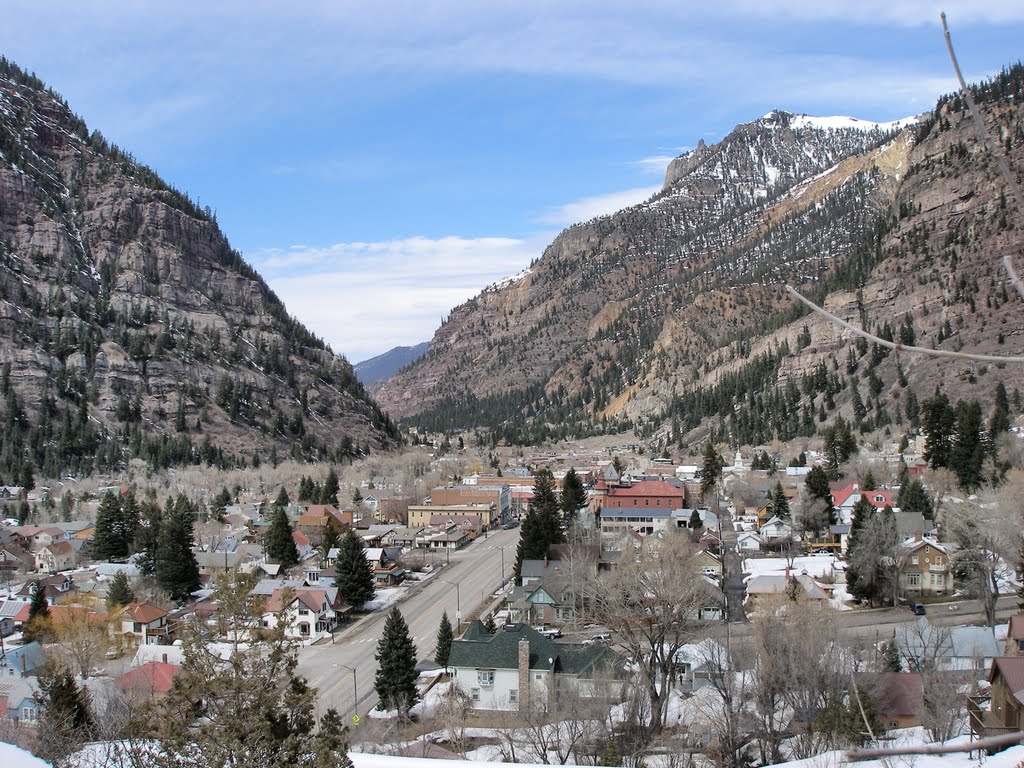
780, 504
177, 572
119, 592
147, 539
938, 422
38, 625
395, 681
353, 575
541, 526
712, 469
816, 484
278, 540
282, 501
66, 721
967, 454
117, 523
573, 496
331, 540
330, 488
444, 641
913, 498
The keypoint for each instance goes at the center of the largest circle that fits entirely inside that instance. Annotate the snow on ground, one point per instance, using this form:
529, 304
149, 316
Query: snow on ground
389, 761
1009, 758
816, 566
385, 598
15, 757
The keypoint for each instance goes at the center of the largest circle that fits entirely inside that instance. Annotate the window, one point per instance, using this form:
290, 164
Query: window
913, 579
913, 560
513, 696
485, 677
538, 676
303, 612
475, 694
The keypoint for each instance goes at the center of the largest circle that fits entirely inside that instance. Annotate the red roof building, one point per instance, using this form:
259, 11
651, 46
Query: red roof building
647, 494
154, 677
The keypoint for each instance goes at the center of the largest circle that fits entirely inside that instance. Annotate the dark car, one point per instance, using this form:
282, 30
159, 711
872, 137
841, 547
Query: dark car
511, 524
917, 609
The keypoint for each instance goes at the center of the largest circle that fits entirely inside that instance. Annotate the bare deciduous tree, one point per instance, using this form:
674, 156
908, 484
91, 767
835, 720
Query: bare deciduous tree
650, 601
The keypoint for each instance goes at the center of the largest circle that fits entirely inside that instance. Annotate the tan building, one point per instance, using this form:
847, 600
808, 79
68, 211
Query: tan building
498, 495
924, 568
420, 514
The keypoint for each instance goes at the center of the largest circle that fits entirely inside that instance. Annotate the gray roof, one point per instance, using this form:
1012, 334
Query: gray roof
23, 658
479, 649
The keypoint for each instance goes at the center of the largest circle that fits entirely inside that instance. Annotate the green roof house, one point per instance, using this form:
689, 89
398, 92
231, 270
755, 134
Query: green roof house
517, 668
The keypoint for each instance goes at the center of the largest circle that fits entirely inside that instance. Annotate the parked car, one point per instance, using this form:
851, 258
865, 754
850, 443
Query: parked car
551, 632
511, 524
601, 637
917, 609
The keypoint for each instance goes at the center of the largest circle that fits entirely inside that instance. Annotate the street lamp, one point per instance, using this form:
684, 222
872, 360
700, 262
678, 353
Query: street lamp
355, 686
502, 551
458, 601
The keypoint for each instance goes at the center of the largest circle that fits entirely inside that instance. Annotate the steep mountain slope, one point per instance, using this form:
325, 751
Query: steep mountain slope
672, 311
130, 327
388, 364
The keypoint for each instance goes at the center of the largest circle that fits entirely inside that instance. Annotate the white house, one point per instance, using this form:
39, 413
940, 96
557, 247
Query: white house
517, 668
305, 612
748, 541
776, 529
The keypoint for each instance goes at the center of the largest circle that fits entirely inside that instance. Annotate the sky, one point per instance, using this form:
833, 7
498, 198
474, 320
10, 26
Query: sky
381, 162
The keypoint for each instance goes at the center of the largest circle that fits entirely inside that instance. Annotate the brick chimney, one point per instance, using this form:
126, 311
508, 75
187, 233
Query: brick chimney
524, 675
917, 536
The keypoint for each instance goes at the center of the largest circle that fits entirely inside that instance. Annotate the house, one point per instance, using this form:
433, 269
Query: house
386, 572
420, 515
12, 614
57, 587
924, 568
845, 498
965, 648
1014, 643
709, 564
776, 529
304, 611
999, 710
18, 700
898, 697
647, 495
518, 669
766, 585
748, 541
144, 624
154, 678
57, 556
21, 660
550, 600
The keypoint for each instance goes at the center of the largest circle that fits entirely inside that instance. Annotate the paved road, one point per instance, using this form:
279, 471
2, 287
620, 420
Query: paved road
477, 570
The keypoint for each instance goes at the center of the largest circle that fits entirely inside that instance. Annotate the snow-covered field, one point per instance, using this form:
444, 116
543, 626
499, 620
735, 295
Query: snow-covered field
385, 598
816, 566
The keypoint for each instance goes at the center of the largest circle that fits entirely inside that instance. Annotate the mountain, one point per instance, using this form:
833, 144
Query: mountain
671, 316
129, 326
388, 364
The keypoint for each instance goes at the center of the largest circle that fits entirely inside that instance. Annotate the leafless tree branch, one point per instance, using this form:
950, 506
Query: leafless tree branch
937, 749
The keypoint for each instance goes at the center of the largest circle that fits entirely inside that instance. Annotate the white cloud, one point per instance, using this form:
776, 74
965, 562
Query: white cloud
598, 205
658, 164
364, 298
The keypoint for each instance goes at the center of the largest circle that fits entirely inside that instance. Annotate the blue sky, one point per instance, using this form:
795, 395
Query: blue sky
380, 162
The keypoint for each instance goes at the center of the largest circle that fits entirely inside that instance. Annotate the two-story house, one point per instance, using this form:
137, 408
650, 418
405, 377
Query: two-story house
144, 624
924, 568
304, 611
1000, 710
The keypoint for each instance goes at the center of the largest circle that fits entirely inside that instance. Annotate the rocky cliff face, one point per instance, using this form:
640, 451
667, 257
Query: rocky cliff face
130, 327
671, 315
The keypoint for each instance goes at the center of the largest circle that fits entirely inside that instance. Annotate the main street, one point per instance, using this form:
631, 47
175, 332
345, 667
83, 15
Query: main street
344, 672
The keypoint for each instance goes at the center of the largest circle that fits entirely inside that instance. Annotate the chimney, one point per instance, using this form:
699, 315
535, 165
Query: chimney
163, 656
917, 536
545, 562
524, 675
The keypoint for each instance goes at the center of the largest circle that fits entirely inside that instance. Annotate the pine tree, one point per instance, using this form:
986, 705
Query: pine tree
541, 526
279, 542
968, 450
117, 523
38, 625
938, 422
573, 496
177, 572
255, 711
816, 484
353, 575
695, 521
282, 500
147, 539
444, 641
120, 591
712, 469
395, 682
780, 504
65, 723
330, 488
331, 540
913, 498
220, 502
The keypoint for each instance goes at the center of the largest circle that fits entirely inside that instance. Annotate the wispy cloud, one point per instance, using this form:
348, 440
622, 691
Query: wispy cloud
597, 205
365, 298
656, 165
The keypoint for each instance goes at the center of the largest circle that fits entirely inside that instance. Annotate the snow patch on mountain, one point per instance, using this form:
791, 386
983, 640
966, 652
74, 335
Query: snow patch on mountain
842, 122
